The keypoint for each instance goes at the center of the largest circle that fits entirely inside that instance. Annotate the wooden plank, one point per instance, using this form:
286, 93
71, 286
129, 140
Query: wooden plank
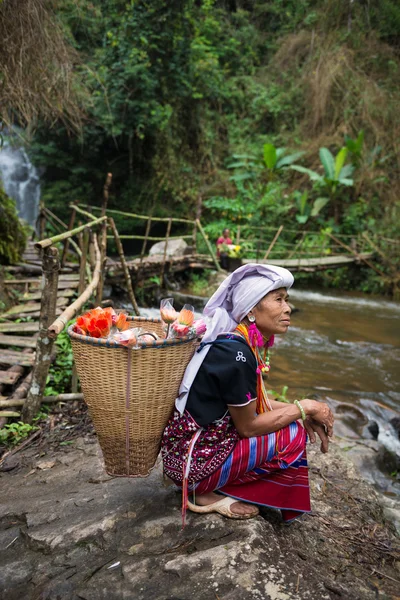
10, 357
34, 315
309, 262
18, 327
27, 308
64, 278
38, 295
8, 378
15, 340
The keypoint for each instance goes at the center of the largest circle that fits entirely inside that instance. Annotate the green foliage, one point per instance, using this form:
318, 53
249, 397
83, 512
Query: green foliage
280, 396
336, 175
13, 433
13, 234
60, 372
202, 99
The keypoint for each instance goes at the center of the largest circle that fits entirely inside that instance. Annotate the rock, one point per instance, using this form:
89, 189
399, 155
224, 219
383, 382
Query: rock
81, 522
174, 248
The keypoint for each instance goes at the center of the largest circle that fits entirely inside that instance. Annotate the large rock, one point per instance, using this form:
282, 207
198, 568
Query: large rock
174, 248
73, 532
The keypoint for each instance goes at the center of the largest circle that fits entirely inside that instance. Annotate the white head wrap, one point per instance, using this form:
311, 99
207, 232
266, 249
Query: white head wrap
232, 301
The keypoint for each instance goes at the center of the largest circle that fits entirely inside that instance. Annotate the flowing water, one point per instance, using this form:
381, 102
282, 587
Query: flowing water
21, 181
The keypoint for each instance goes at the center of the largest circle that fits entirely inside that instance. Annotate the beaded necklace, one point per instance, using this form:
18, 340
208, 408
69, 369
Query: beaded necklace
260, 349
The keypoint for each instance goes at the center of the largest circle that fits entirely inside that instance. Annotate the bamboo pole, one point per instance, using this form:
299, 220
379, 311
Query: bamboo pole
366, 261
124, 267
84, 239
44, 345
144, 217
238, 235
298, 245
42, 220
207, 241
146, 235
103, 238
379, 251
165, 251
194, 238
67, 234
59, 324
83, 212
57, 219
272, 244
66, 243
44, 400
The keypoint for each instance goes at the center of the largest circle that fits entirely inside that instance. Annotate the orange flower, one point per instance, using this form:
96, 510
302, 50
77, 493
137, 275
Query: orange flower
120, 322
168, 315
186, 316
96, 322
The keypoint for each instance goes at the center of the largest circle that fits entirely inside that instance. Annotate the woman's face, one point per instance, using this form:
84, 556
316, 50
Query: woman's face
272, 313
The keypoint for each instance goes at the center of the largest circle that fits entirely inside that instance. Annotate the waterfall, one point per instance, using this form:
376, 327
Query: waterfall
21, 181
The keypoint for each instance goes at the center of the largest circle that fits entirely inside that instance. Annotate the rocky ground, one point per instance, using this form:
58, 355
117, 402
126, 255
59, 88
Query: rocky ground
69, 531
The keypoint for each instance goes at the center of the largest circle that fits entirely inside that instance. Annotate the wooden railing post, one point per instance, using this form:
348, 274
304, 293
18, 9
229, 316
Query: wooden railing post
146, 235
165, 251
272, 244
207, 241
103, 238
124, 267
44, 345
66, 243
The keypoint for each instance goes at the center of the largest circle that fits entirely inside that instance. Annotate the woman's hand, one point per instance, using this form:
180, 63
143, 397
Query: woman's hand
320, 413
312, 427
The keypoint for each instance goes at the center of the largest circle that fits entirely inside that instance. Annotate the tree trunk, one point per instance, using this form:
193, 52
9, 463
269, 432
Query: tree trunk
51, 266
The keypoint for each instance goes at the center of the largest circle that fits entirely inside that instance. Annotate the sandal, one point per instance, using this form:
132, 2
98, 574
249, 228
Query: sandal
223, 508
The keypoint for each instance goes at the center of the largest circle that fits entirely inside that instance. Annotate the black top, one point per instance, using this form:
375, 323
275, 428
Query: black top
226, 377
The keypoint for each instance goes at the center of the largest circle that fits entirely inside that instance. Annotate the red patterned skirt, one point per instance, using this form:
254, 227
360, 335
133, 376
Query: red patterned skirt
269, 470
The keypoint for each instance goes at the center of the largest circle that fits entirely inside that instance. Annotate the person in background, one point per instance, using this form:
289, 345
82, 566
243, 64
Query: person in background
224, 239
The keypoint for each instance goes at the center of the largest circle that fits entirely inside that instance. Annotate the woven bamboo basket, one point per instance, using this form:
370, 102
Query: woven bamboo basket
130, 393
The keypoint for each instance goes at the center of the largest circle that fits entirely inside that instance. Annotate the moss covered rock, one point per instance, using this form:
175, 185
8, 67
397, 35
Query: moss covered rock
12, 233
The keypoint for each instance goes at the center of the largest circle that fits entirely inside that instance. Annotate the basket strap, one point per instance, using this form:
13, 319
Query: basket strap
127, 406
220, 341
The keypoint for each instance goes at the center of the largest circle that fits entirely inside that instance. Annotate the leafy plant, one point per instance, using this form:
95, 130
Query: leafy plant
60, 372
13, 433
272, 161
280, 396
13, 234
336, 174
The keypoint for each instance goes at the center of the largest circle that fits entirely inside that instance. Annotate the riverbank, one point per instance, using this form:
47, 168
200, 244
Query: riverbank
70, 531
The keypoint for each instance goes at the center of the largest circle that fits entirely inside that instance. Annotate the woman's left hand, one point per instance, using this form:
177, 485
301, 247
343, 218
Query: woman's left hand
313, 427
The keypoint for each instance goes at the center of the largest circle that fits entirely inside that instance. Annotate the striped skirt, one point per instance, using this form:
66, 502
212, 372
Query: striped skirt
269, 470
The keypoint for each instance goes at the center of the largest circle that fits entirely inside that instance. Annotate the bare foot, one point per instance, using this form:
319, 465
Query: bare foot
239, 508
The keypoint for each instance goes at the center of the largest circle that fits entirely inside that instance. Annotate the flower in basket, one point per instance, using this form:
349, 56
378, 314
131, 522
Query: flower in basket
183, 324
120, 321
186, 316
198, 328
179, 329
126, 338
96, 323
167, 311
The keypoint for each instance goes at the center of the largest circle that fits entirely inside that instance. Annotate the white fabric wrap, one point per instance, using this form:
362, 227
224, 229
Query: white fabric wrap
232, 301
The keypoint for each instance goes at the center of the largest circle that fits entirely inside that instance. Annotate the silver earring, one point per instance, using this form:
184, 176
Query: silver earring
252, 318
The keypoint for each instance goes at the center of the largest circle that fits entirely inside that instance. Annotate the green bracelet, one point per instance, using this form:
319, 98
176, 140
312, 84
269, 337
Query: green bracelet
301, 409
